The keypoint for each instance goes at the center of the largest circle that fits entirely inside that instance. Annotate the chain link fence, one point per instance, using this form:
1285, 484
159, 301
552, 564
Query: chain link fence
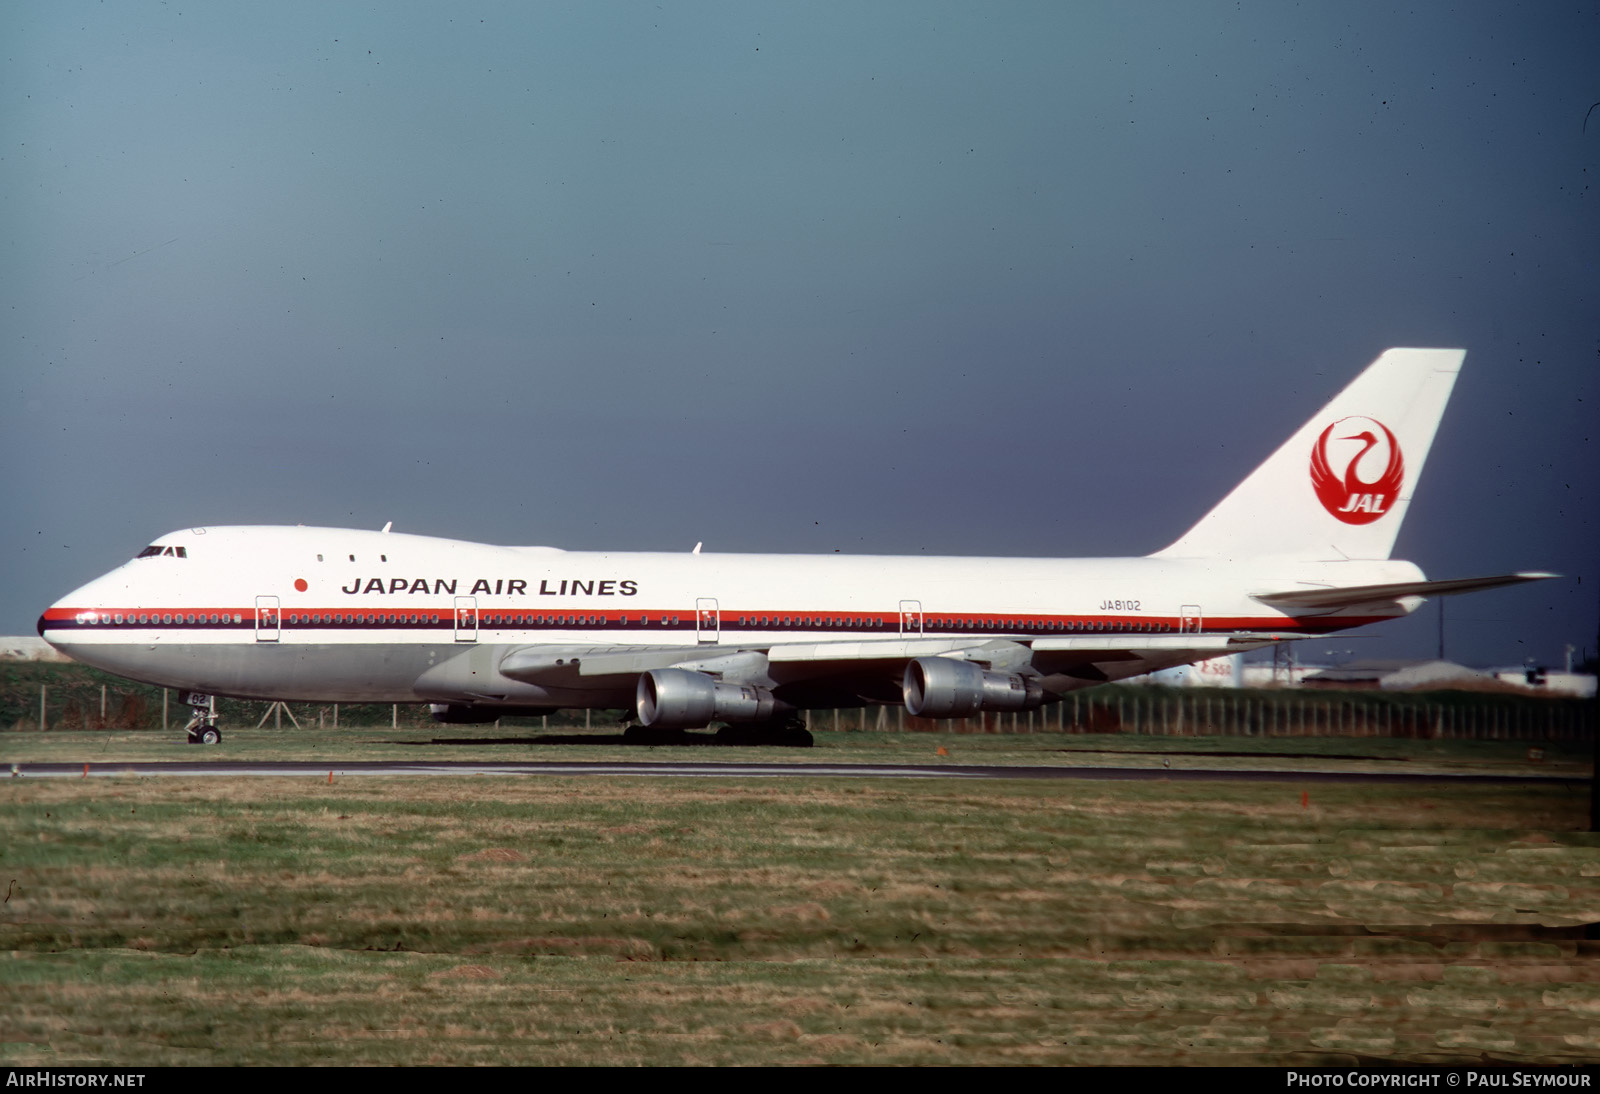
57, 697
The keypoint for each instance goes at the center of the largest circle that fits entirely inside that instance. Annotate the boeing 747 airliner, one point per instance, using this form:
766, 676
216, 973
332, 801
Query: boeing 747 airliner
1301, 547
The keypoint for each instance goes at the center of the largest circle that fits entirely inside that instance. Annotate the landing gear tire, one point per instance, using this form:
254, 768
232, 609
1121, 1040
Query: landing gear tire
644, 735
202, 727
781, 734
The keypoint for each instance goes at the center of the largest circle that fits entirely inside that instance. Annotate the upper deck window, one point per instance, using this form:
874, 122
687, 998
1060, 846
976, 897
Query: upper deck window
168, 552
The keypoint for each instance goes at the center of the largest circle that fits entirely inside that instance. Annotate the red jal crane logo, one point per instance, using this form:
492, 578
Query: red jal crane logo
1349, 497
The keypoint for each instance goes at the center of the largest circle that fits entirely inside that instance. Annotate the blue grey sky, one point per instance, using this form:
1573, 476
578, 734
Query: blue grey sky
997, 278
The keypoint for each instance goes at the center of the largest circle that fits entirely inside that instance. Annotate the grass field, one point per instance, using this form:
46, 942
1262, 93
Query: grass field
578, 921
486, 743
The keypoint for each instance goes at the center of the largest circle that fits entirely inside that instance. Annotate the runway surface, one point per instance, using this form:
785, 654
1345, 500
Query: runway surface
282, 768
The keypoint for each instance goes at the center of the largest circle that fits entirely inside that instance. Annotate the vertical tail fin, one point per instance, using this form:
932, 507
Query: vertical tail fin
1341, 485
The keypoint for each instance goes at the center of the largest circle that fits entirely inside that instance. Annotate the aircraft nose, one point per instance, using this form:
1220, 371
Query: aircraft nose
63, 620
89, 626
55, 622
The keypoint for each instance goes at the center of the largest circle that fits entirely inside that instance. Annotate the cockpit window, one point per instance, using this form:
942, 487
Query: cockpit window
170, 552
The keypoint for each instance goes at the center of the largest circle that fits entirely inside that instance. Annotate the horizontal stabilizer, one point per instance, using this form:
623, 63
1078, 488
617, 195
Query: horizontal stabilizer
1365, 596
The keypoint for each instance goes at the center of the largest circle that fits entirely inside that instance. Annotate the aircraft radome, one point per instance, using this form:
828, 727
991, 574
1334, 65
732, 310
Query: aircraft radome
1301, 547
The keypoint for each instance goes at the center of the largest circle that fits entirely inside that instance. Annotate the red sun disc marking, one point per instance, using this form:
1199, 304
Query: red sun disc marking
300, 584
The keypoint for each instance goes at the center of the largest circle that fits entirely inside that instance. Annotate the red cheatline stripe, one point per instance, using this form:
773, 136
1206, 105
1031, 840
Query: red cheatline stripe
931, 623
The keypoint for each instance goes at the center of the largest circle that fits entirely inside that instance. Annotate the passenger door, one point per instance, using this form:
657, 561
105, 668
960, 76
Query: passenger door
266, 619
466, 619
707, 621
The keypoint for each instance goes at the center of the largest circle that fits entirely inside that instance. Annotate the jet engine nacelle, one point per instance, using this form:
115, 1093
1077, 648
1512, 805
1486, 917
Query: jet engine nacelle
942, 687
680, 699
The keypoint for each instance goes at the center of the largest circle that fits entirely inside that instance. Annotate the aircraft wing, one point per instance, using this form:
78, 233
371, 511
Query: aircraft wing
1321, 599
543, 664
1117, 657
1064, 663
1075, 659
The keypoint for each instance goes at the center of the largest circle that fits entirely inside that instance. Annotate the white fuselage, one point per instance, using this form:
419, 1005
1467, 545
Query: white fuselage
348, 615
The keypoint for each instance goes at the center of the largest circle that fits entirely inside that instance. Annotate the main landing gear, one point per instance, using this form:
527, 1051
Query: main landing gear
202, 727
789, 733
783, 732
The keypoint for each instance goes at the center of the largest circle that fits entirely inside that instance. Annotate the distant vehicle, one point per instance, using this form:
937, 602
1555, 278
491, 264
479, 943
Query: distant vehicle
1301, 547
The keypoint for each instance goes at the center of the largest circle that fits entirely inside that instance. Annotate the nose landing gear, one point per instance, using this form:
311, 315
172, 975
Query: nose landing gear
202, 728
